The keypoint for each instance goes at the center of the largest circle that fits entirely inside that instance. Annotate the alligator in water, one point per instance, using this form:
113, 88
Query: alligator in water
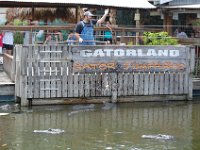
158, 137
50, 131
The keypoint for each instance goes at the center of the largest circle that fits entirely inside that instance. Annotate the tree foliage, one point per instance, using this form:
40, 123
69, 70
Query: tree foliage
159, 38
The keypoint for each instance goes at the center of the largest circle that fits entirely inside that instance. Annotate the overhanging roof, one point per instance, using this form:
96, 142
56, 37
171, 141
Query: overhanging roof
140, 4
194, 6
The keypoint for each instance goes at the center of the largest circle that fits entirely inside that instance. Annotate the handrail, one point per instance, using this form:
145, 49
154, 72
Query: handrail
72, 26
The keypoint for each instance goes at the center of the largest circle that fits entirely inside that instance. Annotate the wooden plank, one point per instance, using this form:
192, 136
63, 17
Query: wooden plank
81, 79
130, 84
18, 70
70, 85
190, 68
76, 85
23, 87
92, 84
24, 100
59, 71
53, 93
161, 85
47, 74
125, 84
24, 55
87, 85
186, 83
190, 90
36, 78
114, 87
70, 76
171, 83
176, 85
166, 84
109, 91
141, 83
120, 84
105, 84
181, 83
98, 84
41, 72
136, 84
157, 83
151, 83
64, 73
146, 83
192, 58
30, 82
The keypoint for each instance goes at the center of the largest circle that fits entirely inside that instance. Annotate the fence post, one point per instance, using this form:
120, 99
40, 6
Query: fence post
114, 87
21, 78
191, 61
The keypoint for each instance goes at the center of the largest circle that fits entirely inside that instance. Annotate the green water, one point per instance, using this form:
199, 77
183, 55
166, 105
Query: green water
119, 128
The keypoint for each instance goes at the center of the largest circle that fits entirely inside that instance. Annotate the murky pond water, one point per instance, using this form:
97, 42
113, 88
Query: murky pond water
132, 126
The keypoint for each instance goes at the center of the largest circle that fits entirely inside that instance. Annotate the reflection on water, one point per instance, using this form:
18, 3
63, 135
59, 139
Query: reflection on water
119, 128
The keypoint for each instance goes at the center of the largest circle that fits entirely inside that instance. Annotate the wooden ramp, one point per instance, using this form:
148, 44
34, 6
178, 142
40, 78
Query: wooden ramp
7, 87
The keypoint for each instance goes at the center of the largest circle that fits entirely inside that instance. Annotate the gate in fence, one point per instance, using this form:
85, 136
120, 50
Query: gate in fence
49, 72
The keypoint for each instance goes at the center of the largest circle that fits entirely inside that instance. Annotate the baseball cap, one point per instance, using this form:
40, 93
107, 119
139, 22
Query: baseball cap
88, 13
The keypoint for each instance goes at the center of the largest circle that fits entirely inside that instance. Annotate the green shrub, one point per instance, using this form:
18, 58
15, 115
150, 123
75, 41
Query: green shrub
196, 23
18, 38
159, 38
17, 22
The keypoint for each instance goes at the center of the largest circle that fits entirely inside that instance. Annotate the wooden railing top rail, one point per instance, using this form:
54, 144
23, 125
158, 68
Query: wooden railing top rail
71, 27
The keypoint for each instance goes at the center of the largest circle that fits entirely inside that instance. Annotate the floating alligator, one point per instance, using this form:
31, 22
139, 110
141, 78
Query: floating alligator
158, 137
50, 131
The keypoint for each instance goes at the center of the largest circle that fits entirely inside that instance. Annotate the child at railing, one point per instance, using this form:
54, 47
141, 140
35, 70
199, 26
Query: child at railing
71, 40
108, 33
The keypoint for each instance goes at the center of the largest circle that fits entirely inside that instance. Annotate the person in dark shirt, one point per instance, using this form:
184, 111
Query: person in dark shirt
85, 28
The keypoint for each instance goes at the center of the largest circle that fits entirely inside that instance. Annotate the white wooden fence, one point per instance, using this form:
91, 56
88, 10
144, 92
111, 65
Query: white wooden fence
49, 72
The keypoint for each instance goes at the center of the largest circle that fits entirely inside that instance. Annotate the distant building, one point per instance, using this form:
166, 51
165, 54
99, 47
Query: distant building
178, 13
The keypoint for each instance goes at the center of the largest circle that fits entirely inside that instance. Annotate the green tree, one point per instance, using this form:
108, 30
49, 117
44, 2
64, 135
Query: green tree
159, 38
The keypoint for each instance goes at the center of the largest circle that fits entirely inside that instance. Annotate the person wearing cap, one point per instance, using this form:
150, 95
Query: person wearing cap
85, 28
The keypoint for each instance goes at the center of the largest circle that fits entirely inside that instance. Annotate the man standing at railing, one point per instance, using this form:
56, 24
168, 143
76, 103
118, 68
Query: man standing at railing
85, 28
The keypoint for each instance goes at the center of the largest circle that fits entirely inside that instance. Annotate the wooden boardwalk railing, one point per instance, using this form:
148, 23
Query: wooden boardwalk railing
49, 72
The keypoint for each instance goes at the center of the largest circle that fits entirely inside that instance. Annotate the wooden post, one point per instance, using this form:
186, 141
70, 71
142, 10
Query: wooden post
191, 62
78, 16
113, 14
137, 19
21, 79
168, 23
114, 87
33, 13
18, 70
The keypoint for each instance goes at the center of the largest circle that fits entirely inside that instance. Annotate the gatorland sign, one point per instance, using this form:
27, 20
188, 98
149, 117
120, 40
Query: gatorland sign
92, 59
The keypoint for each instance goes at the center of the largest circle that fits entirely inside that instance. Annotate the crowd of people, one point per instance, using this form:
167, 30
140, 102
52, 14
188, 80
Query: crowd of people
83, 34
